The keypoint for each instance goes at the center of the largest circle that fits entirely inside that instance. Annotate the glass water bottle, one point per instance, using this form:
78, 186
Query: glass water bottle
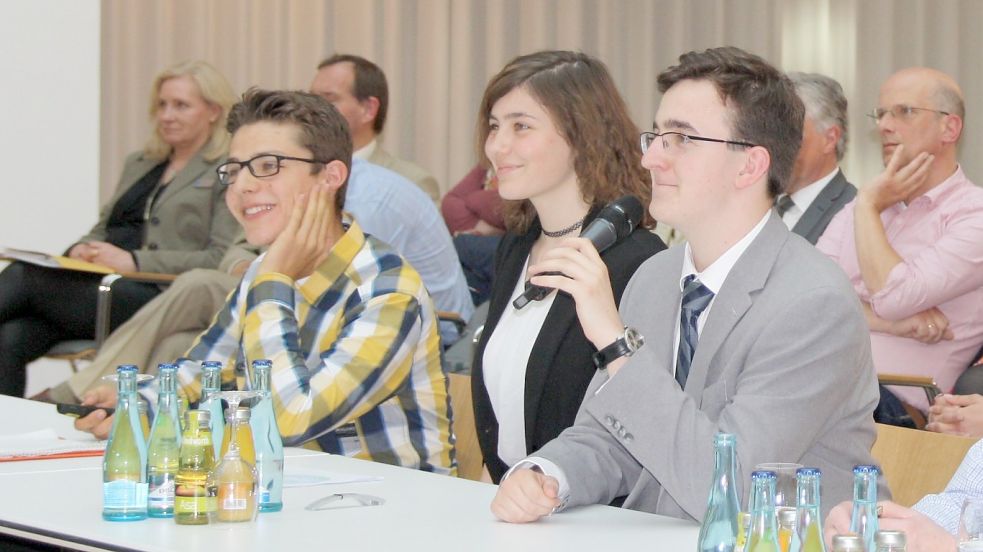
124, 466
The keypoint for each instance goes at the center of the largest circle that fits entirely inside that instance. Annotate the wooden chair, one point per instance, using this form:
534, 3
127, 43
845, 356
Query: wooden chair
916, 463
469, 459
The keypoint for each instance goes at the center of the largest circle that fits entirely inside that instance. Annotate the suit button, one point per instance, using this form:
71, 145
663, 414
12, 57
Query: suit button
609, 420
152, 246
629, 437
617, 425
621, 432
155, 221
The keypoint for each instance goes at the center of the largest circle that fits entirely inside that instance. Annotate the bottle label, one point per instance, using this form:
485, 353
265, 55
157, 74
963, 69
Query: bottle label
264, 497
196, 441
161, 495
235, 504
124, 494
194, 505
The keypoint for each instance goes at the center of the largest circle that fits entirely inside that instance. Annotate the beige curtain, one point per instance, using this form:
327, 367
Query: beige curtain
438, 54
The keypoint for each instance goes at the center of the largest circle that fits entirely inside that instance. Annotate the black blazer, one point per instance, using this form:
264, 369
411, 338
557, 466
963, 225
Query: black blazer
560, 365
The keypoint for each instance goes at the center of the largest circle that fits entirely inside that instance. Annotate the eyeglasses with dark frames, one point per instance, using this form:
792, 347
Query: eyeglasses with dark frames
261, 166
672, 141
900, 111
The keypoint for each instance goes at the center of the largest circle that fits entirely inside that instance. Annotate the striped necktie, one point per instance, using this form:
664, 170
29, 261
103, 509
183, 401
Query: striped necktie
783, 204
696, 297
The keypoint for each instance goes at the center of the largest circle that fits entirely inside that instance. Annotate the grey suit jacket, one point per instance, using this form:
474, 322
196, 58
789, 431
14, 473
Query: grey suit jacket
783, 362
189, 225
837, 193
412, 172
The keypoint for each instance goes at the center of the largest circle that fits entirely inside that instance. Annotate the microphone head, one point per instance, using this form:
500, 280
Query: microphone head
625, 213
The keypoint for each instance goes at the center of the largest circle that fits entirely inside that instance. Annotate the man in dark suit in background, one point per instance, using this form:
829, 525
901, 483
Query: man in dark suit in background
818, 189
726, 347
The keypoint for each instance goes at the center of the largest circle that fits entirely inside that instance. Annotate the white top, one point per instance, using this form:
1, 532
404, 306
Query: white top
504, 362
803, 198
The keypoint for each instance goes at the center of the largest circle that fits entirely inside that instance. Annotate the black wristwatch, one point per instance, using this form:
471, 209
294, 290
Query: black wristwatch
626, 345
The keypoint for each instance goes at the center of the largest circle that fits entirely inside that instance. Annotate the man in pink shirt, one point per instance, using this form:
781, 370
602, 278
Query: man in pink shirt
912, 240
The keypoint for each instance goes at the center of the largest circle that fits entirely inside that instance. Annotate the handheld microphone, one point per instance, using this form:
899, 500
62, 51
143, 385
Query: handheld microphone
615, 221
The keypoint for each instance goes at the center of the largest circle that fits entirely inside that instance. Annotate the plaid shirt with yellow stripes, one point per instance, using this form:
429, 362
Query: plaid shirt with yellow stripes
356, 342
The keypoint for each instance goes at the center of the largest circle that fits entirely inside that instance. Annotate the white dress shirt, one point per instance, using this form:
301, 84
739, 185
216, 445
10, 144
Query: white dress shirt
803, 198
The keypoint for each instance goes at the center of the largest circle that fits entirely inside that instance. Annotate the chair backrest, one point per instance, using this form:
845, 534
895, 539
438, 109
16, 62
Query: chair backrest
469, 459
917, 463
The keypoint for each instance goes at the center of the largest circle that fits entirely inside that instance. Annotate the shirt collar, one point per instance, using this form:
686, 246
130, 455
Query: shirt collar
715, 274
804, 197
365, 151
944, 187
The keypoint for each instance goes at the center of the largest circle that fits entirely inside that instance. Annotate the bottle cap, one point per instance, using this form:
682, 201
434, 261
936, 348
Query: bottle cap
787, 517
204, 418
763, 474
808, 472
890, 538
866, 469
242, 414
848, 543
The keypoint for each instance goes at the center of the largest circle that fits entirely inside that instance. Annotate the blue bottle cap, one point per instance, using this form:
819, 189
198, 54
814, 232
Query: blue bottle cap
127, 368
763, 474
807, 472
866, 469
262, 362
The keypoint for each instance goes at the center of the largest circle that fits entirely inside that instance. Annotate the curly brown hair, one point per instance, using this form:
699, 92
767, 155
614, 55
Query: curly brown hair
587, 110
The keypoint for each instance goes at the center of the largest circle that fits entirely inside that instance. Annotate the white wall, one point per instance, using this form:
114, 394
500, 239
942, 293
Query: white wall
49, 132
49, 122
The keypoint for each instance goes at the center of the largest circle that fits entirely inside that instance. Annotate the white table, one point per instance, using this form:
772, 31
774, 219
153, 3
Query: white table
60, 502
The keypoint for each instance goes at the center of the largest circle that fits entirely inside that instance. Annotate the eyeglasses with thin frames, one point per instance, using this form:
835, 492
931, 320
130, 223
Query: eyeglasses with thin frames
261, 166
673, 141
901, 112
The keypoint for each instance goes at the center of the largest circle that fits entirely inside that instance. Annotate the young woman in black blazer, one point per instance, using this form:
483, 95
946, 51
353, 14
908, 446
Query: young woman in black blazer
558, 135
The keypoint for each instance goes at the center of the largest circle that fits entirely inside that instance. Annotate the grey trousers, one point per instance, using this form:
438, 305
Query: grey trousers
970, 382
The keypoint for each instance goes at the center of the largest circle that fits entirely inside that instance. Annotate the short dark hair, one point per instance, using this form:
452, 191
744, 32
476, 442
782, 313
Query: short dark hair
370, 81
322, 129
584, 104
767, 110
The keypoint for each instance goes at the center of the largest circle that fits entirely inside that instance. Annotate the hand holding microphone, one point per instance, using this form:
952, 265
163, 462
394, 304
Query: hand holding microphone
615, 221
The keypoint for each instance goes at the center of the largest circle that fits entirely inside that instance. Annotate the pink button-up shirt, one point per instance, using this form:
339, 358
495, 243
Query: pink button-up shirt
939, 236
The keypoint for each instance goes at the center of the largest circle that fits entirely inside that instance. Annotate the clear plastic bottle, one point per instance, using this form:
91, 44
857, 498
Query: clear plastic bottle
720, 522
195, 492
269, 444
124, 466
211, 382
808, 482
164, 449
863, 521
763, 535
235, 476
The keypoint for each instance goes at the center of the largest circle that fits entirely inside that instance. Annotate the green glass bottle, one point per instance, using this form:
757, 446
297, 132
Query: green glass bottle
124, 466
211, 382
164, 448
195, 491
718, 532
810, 521
763, 534
269, 444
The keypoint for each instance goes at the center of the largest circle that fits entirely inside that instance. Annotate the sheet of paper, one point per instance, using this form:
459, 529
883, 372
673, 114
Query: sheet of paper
45, 443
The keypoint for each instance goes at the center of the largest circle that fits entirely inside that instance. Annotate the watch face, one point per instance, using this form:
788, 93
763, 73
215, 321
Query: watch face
633, 339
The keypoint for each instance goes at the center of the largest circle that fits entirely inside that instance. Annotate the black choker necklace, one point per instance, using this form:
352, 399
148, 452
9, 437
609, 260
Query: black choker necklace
564, 231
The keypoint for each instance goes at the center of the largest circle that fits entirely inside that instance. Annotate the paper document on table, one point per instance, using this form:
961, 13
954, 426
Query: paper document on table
312, 478
45, 443
52, 261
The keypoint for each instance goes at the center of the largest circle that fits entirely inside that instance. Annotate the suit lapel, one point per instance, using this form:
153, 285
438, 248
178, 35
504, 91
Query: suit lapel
746, 277
820, 205
193, 174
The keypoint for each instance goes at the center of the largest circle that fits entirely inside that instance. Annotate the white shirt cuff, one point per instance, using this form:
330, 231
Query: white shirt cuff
546, 467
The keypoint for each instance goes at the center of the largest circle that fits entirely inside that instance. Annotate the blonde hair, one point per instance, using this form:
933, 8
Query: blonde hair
214, 89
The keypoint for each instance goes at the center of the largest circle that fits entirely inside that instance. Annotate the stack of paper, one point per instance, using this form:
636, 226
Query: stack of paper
45, 443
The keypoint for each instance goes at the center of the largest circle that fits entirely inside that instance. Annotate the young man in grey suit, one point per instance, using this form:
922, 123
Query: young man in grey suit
727, 351
817, 189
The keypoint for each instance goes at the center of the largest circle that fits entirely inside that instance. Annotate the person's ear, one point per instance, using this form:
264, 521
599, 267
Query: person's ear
370, 109
953, 128
755, 168
333, 175
831, 137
